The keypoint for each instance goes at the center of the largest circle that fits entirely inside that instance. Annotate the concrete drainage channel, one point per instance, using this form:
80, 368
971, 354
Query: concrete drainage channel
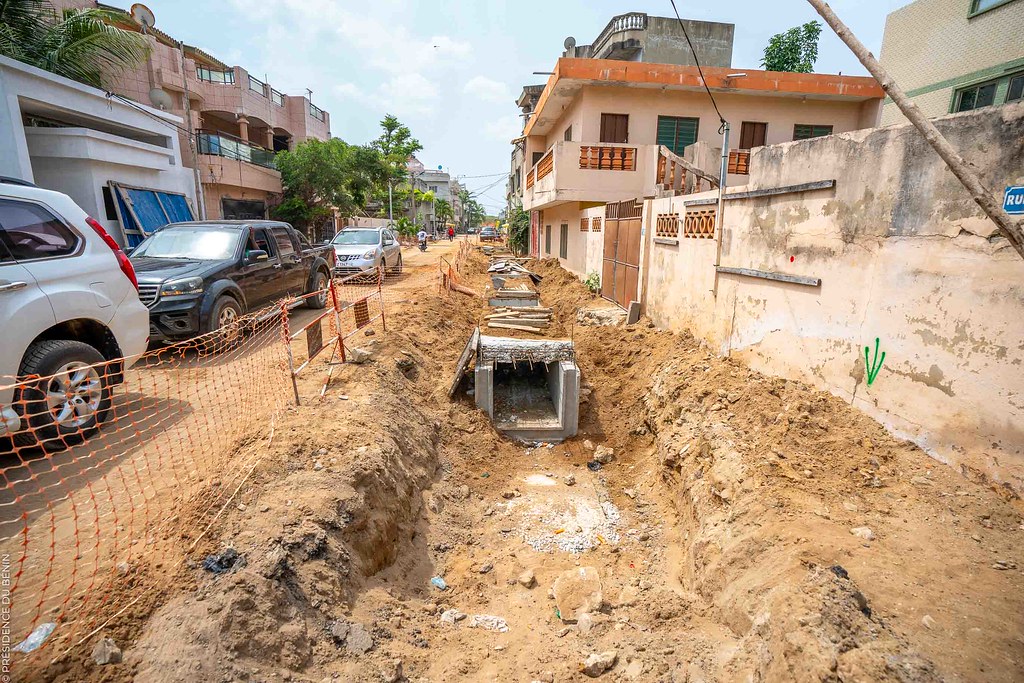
530, 388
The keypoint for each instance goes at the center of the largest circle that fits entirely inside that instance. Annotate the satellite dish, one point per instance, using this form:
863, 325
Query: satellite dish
143, 16
569, 43
160, 99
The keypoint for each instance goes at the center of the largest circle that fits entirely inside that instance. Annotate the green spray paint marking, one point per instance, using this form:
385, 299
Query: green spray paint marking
871, 367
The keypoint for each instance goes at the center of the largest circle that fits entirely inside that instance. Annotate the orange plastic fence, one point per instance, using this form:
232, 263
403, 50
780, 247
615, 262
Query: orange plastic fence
120, 467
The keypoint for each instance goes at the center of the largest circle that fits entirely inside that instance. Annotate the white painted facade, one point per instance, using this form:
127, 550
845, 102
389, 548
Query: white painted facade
88, 140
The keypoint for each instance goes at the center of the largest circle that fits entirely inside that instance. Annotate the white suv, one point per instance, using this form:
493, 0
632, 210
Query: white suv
69, 313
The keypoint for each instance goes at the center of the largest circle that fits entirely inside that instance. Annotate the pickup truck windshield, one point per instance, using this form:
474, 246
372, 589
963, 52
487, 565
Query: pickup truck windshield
356, 237
200, 244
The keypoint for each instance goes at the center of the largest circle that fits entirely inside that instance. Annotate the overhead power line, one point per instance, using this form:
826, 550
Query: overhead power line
696, 61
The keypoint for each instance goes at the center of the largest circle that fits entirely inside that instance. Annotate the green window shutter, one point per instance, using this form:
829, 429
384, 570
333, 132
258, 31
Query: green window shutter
804, 131
676, 132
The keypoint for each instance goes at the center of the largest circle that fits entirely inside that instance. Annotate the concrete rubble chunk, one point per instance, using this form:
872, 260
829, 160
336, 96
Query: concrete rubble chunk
392, 672
488, 622
359, 355
359, 642
106, 652
528, 579
577, 591
451, 616
599, 662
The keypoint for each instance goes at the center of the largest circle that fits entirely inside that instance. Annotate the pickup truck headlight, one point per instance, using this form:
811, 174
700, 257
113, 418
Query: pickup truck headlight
370, 254
188, 286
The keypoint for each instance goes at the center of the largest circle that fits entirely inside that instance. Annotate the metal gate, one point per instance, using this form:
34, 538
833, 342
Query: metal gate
621, 266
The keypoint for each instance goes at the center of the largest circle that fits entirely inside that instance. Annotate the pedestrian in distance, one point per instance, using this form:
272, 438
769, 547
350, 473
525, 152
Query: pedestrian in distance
451, 234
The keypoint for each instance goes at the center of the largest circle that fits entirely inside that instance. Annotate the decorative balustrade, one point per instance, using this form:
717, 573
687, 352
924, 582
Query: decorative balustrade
679, 176
608, 158
739, 161
633, 21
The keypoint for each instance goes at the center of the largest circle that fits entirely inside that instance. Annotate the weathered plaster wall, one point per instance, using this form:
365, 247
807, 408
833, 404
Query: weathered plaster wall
904, 256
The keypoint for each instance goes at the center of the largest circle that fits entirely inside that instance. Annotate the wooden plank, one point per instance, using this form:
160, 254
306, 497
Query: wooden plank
778, 277
467, 354
522, 328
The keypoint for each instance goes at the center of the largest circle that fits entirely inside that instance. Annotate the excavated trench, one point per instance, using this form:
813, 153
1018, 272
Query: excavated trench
720, 530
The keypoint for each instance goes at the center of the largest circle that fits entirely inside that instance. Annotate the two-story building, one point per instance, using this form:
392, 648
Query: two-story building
236, 121
955, 55
606, 130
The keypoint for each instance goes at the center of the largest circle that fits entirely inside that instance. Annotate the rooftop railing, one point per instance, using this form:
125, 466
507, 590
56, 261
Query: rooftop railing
256, 85
633, 21
316, 112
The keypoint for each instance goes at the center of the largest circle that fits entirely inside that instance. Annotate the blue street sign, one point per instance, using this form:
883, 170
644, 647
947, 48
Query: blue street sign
1013, 200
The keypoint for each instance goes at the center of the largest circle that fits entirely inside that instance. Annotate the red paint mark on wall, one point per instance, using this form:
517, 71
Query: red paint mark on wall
792, 258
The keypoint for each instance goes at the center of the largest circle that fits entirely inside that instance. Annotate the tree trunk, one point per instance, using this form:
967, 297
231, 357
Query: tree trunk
1009, 228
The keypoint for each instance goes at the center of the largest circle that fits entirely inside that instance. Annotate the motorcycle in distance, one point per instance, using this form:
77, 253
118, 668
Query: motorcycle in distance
422, 236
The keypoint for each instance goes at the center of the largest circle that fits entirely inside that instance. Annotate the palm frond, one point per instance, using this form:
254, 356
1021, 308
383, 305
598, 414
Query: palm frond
85, 46
22, 22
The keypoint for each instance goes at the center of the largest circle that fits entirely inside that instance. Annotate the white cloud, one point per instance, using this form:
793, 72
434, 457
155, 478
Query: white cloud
504, 128
488, 89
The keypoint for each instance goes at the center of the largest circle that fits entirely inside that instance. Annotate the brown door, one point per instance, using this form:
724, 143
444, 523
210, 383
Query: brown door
620, 270
615, 128
752, 134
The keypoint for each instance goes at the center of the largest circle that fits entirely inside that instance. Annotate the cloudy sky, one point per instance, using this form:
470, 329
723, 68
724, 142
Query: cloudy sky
451, 69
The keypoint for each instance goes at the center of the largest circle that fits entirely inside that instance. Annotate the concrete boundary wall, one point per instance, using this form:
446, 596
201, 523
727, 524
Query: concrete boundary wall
904, 256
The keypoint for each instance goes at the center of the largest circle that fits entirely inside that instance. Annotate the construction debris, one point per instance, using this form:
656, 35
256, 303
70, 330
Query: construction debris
467, 354
513, 269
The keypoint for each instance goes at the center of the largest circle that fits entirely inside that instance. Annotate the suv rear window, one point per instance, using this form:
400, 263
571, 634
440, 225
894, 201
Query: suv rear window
29, 232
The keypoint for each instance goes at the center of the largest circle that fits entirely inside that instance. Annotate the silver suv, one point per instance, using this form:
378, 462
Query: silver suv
358, 250
71, 312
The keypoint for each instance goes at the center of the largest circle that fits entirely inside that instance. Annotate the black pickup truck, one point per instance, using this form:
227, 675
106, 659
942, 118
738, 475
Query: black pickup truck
198, 276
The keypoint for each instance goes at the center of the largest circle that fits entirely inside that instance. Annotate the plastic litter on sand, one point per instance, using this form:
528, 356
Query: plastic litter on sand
573, 527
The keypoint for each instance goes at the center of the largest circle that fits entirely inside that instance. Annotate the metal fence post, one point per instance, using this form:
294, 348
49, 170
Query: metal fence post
380, 296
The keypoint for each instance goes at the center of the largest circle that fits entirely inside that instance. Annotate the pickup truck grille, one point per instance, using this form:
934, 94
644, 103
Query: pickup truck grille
148, 294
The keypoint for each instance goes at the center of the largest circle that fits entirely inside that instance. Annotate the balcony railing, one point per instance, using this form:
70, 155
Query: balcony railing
679, 176
214, 76
739, 161
277, 97
257, 85
230, 147
634, 21
608, 158
316, 112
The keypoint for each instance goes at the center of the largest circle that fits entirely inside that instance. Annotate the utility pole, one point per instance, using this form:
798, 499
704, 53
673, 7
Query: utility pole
1008, 228
723, 175
391, 211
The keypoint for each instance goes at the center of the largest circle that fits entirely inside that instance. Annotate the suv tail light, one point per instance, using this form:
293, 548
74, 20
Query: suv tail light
122, 258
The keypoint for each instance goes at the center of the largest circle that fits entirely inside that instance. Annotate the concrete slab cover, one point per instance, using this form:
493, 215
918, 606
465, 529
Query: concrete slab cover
507, 350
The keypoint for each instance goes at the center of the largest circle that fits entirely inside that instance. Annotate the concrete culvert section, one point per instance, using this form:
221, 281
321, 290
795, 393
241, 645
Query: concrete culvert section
529, 388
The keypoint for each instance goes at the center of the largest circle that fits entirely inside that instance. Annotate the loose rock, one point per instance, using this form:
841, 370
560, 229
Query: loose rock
527, 579
863, 532
392, 672
597, 663
359, 642
577, 591
604, 455
106, 652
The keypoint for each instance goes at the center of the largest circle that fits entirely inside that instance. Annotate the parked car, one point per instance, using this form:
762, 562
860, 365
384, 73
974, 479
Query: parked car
358, 250
71, 316
199, 276
489, 234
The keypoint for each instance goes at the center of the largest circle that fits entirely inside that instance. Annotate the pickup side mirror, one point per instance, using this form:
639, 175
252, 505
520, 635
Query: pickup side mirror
256, 255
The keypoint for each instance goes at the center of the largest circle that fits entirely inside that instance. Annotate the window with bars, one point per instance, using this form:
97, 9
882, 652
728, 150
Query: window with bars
584, 225
563, 241
667, 225
700, 223
806, 131
595, 224
676, 132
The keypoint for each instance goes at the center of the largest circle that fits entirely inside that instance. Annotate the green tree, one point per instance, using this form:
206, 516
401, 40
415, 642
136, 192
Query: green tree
81, 44
395, 145
419, 196
443, 210
518, 224
322, 175
795, 50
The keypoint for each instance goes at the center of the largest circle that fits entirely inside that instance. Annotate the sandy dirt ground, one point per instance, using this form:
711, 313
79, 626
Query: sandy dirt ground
744, 528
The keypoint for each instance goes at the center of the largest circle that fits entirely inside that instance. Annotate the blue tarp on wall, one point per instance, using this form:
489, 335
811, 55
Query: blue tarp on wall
145, 211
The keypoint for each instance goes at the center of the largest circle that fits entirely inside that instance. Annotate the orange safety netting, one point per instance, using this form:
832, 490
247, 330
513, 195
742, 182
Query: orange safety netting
120, 467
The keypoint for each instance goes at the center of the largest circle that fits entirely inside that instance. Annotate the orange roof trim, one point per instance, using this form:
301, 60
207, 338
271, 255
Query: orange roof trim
640, 74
